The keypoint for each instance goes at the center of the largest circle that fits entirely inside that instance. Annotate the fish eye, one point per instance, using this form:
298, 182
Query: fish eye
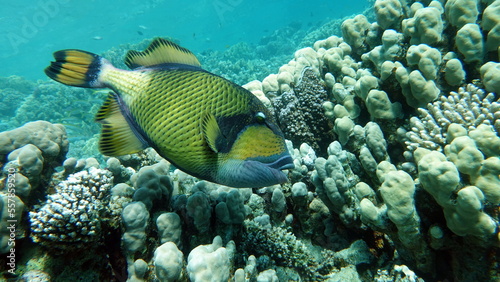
261, 117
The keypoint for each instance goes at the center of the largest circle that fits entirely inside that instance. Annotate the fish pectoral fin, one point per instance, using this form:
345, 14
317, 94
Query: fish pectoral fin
118, 137
212, 133
161, 51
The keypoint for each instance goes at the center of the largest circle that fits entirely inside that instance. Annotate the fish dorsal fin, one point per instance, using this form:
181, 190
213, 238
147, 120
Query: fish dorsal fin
118, 136
161, 51
212, 133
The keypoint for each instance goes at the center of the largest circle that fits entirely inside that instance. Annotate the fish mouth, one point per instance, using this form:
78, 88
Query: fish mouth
253, 173
285, 162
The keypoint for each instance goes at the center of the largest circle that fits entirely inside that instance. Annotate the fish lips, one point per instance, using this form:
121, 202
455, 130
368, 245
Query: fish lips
284, 162
253, 174
275, 169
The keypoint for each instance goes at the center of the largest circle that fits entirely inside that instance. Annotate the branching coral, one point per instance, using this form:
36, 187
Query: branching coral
71, 217
470, 107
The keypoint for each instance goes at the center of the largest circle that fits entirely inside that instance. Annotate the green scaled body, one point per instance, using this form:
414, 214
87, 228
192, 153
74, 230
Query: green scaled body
204, 124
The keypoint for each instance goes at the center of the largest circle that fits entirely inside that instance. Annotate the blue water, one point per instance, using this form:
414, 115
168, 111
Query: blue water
244, 40
32, 30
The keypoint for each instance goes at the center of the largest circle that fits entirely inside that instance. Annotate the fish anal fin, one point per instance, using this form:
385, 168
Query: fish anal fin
161, 51
212, 133
118, 137
108, 109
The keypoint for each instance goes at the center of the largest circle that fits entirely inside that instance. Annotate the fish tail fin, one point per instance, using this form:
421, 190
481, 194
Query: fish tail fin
77, 68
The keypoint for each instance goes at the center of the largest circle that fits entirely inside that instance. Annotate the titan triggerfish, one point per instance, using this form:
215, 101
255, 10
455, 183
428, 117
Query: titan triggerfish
204, 124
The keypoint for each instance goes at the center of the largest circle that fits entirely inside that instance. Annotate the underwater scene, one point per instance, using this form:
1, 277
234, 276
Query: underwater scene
235, 140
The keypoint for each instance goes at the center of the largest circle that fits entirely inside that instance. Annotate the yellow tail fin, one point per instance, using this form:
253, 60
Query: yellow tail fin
76, 68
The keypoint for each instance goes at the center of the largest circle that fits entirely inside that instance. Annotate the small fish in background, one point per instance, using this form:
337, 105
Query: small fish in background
97, 37
140, 30
202, 123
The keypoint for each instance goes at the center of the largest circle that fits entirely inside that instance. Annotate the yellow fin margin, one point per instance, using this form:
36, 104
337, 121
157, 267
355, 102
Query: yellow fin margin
117, 136
211, 131
161, 51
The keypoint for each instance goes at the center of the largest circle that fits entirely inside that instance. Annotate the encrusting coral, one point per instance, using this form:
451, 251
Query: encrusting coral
299, 112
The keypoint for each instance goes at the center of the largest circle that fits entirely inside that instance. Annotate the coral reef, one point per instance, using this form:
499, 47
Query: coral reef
49, 138
469, 107
71, 216
168, 262
393, 128
213, 261
29, 155
75, 108
300, 115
